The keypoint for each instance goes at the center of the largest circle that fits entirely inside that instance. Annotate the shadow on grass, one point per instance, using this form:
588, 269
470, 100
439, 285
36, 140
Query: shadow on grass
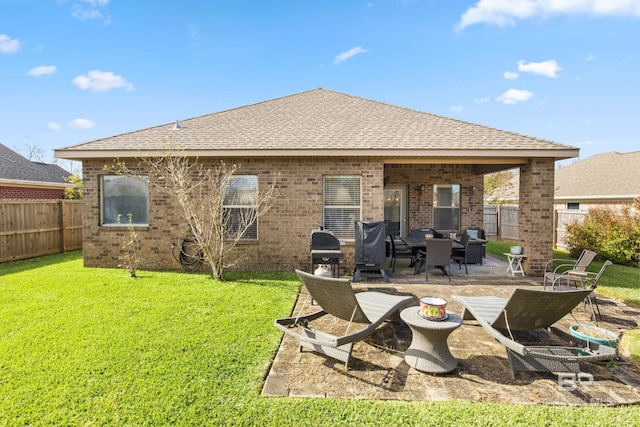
42, 261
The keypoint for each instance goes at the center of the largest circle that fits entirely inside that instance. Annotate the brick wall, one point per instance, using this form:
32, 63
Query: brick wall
26, 193
535, 230
420, 213
283, 233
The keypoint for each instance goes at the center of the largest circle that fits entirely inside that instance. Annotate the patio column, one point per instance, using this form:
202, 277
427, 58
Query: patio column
535, 229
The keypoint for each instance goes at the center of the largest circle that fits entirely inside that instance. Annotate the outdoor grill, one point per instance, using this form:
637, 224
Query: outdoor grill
325, 249
370, 250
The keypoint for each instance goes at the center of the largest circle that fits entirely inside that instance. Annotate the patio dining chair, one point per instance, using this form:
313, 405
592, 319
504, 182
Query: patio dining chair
364, 311
528, 310
460, 254
396, 251
437, 253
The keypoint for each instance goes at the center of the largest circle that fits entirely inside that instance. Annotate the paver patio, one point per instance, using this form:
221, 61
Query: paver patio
378, 370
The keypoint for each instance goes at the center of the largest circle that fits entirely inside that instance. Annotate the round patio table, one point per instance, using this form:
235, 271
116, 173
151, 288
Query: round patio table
429, 351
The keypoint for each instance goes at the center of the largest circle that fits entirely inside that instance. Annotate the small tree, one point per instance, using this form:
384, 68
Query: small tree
75, 192
130, 256
202, 191
498, 187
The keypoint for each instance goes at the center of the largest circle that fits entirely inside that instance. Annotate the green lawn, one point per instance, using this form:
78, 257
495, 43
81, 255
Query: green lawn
86, 346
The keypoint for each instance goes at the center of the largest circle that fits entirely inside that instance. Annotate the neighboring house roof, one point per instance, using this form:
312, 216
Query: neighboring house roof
18, 170
605, 176
609, 175
322, 122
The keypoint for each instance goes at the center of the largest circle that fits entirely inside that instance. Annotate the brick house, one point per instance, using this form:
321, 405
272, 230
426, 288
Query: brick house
609, 179
340, 158
20, 178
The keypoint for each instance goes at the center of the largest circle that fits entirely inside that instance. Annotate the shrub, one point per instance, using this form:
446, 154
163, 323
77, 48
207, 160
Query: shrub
611, 234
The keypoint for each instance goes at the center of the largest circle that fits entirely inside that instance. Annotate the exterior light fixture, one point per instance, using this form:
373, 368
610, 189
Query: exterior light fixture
421, 188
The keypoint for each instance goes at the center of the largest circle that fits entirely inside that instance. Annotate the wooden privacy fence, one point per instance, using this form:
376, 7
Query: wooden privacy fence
31, 228
501, 222
562, 218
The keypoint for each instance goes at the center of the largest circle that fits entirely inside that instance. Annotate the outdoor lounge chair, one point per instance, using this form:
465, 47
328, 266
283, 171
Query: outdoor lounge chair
567, 270
527, 310
337, 298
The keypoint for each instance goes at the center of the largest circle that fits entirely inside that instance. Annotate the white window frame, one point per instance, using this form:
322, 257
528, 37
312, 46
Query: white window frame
252, 194
453, 206
337, 205
119, 212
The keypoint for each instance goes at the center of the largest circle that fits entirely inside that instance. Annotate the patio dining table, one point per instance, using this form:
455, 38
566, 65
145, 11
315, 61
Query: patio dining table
420, 243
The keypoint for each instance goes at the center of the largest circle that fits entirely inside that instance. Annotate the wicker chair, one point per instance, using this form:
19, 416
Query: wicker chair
527, 310
336, 297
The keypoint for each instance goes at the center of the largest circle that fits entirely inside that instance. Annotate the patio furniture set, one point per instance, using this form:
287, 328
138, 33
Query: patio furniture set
501, 318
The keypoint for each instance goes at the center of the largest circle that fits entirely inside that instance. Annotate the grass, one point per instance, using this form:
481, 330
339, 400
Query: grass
619, 281
86, 346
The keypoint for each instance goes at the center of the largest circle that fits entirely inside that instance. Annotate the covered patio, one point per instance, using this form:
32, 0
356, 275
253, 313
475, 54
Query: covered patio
378, 370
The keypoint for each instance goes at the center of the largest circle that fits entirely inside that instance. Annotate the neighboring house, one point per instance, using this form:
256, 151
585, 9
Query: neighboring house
20, 178
340, 158
604, 180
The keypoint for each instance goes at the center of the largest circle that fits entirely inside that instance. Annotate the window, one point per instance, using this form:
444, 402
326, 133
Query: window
239, 207
446, 207
341, 205
573, 205
121, 196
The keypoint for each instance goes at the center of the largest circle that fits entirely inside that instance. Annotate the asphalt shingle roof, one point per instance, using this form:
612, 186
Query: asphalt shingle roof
607, 174
13, 166
320, 120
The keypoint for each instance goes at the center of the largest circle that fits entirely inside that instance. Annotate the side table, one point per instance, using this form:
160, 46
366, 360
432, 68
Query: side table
429, 351
515, 263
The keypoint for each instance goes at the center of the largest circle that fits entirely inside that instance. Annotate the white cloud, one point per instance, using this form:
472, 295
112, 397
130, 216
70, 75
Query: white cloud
349, 54
591, 57
81, 124
457, 108
482, 100
91, 11
510, 75
514, 96
101, 81
507, 12
42, 70
53, 126
83, 14
546, 68
8, 45
96, 3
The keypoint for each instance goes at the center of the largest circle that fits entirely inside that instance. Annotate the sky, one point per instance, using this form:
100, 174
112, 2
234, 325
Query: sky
72, 71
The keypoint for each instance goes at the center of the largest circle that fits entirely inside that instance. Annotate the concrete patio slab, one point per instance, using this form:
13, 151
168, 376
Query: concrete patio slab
378, 370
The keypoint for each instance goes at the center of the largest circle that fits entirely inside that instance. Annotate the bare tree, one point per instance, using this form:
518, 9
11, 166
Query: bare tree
498, 187
32, 151
204, 193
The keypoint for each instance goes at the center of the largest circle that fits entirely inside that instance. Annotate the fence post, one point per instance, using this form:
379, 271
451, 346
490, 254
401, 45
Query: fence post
499, 223
555, 229
61, 221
